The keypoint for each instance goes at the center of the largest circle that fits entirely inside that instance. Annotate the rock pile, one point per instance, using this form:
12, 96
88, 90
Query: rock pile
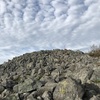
51, 75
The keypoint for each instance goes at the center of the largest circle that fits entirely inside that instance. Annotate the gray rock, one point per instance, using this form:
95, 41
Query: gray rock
12, 97
5, 93
31, 96
95, 98
24, 87
39, 98
68, 89
10, 83
83, 74
41, 72
34, 71
96, 76
55, 75
1, 89
47, 95
1, 98
30, 65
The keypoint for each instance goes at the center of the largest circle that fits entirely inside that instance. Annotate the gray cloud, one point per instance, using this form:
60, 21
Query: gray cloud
30, 25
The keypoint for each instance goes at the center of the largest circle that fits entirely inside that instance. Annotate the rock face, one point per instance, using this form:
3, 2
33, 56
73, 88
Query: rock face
51, 75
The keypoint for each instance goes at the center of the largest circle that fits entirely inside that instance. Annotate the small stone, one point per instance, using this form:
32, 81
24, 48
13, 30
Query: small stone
5, 93
47, 95
10, 84
39, 98
95, 98
1, 89
12, 97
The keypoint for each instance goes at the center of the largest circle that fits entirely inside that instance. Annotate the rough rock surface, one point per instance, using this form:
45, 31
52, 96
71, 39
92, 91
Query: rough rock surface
51, 75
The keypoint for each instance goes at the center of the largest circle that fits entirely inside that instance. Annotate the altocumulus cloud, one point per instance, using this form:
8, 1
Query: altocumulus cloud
30, 25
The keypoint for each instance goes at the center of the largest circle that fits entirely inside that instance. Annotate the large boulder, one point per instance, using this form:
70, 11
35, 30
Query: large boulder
68, 89
24, 87
84, 74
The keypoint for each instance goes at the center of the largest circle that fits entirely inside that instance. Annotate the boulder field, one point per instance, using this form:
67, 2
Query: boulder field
51, 75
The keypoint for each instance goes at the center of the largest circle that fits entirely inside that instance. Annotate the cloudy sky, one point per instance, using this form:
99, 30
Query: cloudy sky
32, 25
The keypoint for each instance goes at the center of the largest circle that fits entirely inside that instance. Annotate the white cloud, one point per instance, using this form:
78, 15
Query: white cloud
2, 7
30, 25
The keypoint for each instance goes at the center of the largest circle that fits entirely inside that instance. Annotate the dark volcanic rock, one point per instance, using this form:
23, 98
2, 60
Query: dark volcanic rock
51, 75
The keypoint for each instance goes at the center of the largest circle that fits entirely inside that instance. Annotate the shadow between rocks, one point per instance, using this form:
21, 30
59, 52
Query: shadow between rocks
90, 91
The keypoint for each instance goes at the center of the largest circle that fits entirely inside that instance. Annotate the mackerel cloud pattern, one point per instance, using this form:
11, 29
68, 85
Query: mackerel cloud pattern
29, 25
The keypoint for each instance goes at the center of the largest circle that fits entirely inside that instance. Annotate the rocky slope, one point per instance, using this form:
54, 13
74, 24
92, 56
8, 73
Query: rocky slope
51, 75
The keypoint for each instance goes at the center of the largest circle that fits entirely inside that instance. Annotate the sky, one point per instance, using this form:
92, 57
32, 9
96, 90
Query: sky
33, 25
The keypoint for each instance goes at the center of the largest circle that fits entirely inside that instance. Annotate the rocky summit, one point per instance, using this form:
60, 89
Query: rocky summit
51, 75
